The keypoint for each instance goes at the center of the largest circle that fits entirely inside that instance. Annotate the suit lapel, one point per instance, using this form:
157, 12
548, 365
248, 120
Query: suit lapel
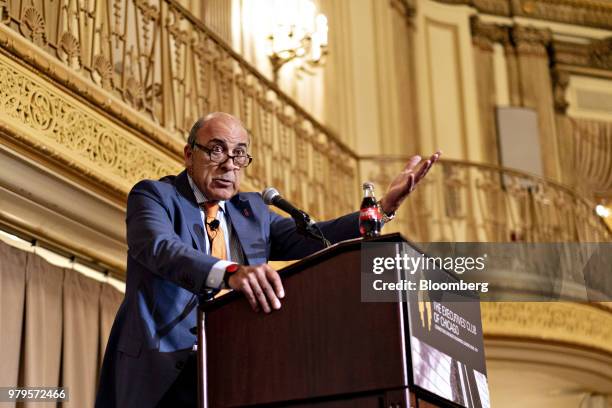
191, 210
246, 228
241, 217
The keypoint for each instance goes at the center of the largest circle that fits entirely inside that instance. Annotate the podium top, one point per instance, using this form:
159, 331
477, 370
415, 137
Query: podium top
309, 261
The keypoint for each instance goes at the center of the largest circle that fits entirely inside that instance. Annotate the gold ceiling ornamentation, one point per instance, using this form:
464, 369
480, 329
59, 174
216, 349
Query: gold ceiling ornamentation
577, 324
498, 7
60, 128
590, 13
593, 13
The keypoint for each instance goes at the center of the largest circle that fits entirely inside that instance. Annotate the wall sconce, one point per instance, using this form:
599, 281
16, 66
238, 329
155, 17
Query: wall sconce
299, 35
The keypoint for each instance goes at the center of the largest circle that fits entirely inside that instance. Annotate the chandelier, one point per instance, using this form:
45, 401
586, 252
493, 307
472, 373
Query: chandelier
299, 35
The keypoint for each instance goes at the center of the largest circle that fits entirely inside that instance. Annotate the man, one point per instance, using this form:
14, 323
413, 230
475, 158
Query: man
192, 233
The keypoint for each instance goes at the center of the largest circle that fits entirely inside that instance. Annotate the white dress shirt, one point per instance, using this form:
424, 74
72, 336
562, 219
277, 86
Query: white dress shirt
215, 276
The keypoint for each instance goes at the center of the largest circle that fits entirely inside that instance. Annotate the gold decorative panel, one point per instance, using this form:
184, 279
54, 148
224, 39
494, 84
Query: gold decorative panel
61, 128
586, 325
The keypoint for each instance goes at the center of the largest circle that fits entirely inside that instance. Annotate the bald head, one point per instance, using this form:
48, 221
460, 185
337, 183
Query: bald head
220, 132
212, 123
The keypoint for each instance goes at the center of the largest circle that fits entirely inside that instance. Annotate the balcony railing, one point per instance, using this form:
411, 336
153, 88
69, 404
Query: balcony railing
155, 67
586, 156
463, 201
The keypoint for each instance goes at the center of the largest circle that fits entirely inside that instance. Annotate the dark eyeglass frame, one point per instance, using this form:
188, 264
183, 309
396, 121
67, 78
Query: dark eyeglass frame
228, 156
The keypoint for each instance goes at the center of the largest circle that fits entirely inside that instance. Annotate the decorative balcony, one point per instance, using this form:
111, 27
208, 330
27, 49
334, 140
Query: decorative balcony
154, 69
463, 201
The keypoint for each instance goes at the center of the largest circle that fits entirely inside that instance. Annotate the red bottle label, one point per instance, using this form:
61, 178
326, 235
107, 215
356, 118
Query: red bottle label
370, 222
370, 213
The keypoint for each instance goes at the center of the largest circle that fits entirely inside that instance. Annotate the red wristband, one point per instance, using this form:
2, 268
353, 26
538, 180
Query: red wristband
229, 270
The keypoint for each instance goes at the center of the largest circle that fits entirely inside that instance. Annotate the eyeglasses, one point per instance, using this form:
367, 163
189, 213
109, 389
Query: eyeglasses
221, 156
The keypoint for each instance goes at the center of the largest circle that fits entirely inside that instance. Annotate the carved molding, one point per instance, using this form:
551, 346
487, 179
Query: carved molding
585, 325
530, 40
492, 6
484, 35
560, 82
571, 53
595, 56
601, 53
406, 8
524, 39
60, 128
590, 13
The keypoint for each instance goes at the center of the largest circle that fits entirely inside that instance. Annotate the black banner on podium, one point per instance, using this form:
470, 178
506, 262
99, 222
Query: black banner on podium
446, 342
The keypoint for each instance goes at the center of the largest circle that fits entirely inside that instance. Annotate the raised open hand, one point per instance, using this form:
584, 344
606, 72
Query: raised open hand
405, 182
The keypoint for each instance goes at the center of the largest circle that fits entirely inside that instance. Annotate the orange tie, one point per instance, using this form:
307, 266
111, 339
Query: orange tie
215, 236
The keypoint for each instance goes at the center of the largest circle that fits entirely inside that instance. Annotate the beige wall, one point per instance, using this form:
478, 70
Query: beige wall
252, 21
363, 93
446, 82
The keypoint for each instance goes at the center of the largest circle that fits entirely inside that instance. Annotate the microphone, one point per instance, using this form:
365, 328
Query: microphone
214, 224
271, 196
304, 224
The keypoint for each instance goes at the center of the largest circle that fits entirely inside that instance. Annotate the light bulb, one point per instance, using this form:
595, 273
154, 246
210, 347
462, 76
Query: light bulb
602, 211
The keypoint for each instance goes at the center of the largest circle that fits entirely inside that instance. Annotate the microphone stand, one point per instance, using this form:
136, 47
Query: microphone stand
201, 349
305, 226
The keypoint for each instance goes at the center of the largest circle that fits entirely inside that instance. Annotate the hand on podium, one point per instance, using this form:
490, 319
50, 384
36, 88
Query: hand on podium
260, 284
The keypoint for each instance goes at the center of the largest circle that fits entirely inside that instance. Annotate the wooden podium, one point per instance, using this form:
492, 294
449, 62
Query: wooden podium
324, 348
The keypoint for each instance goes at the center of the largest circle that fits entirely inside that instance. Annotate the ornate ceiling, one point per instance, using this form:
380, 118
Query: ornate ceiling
590, 13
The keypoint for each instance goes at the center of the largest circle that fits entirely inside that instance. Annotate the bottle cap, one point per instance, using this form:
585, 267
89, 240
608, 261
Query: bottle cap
369, 185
